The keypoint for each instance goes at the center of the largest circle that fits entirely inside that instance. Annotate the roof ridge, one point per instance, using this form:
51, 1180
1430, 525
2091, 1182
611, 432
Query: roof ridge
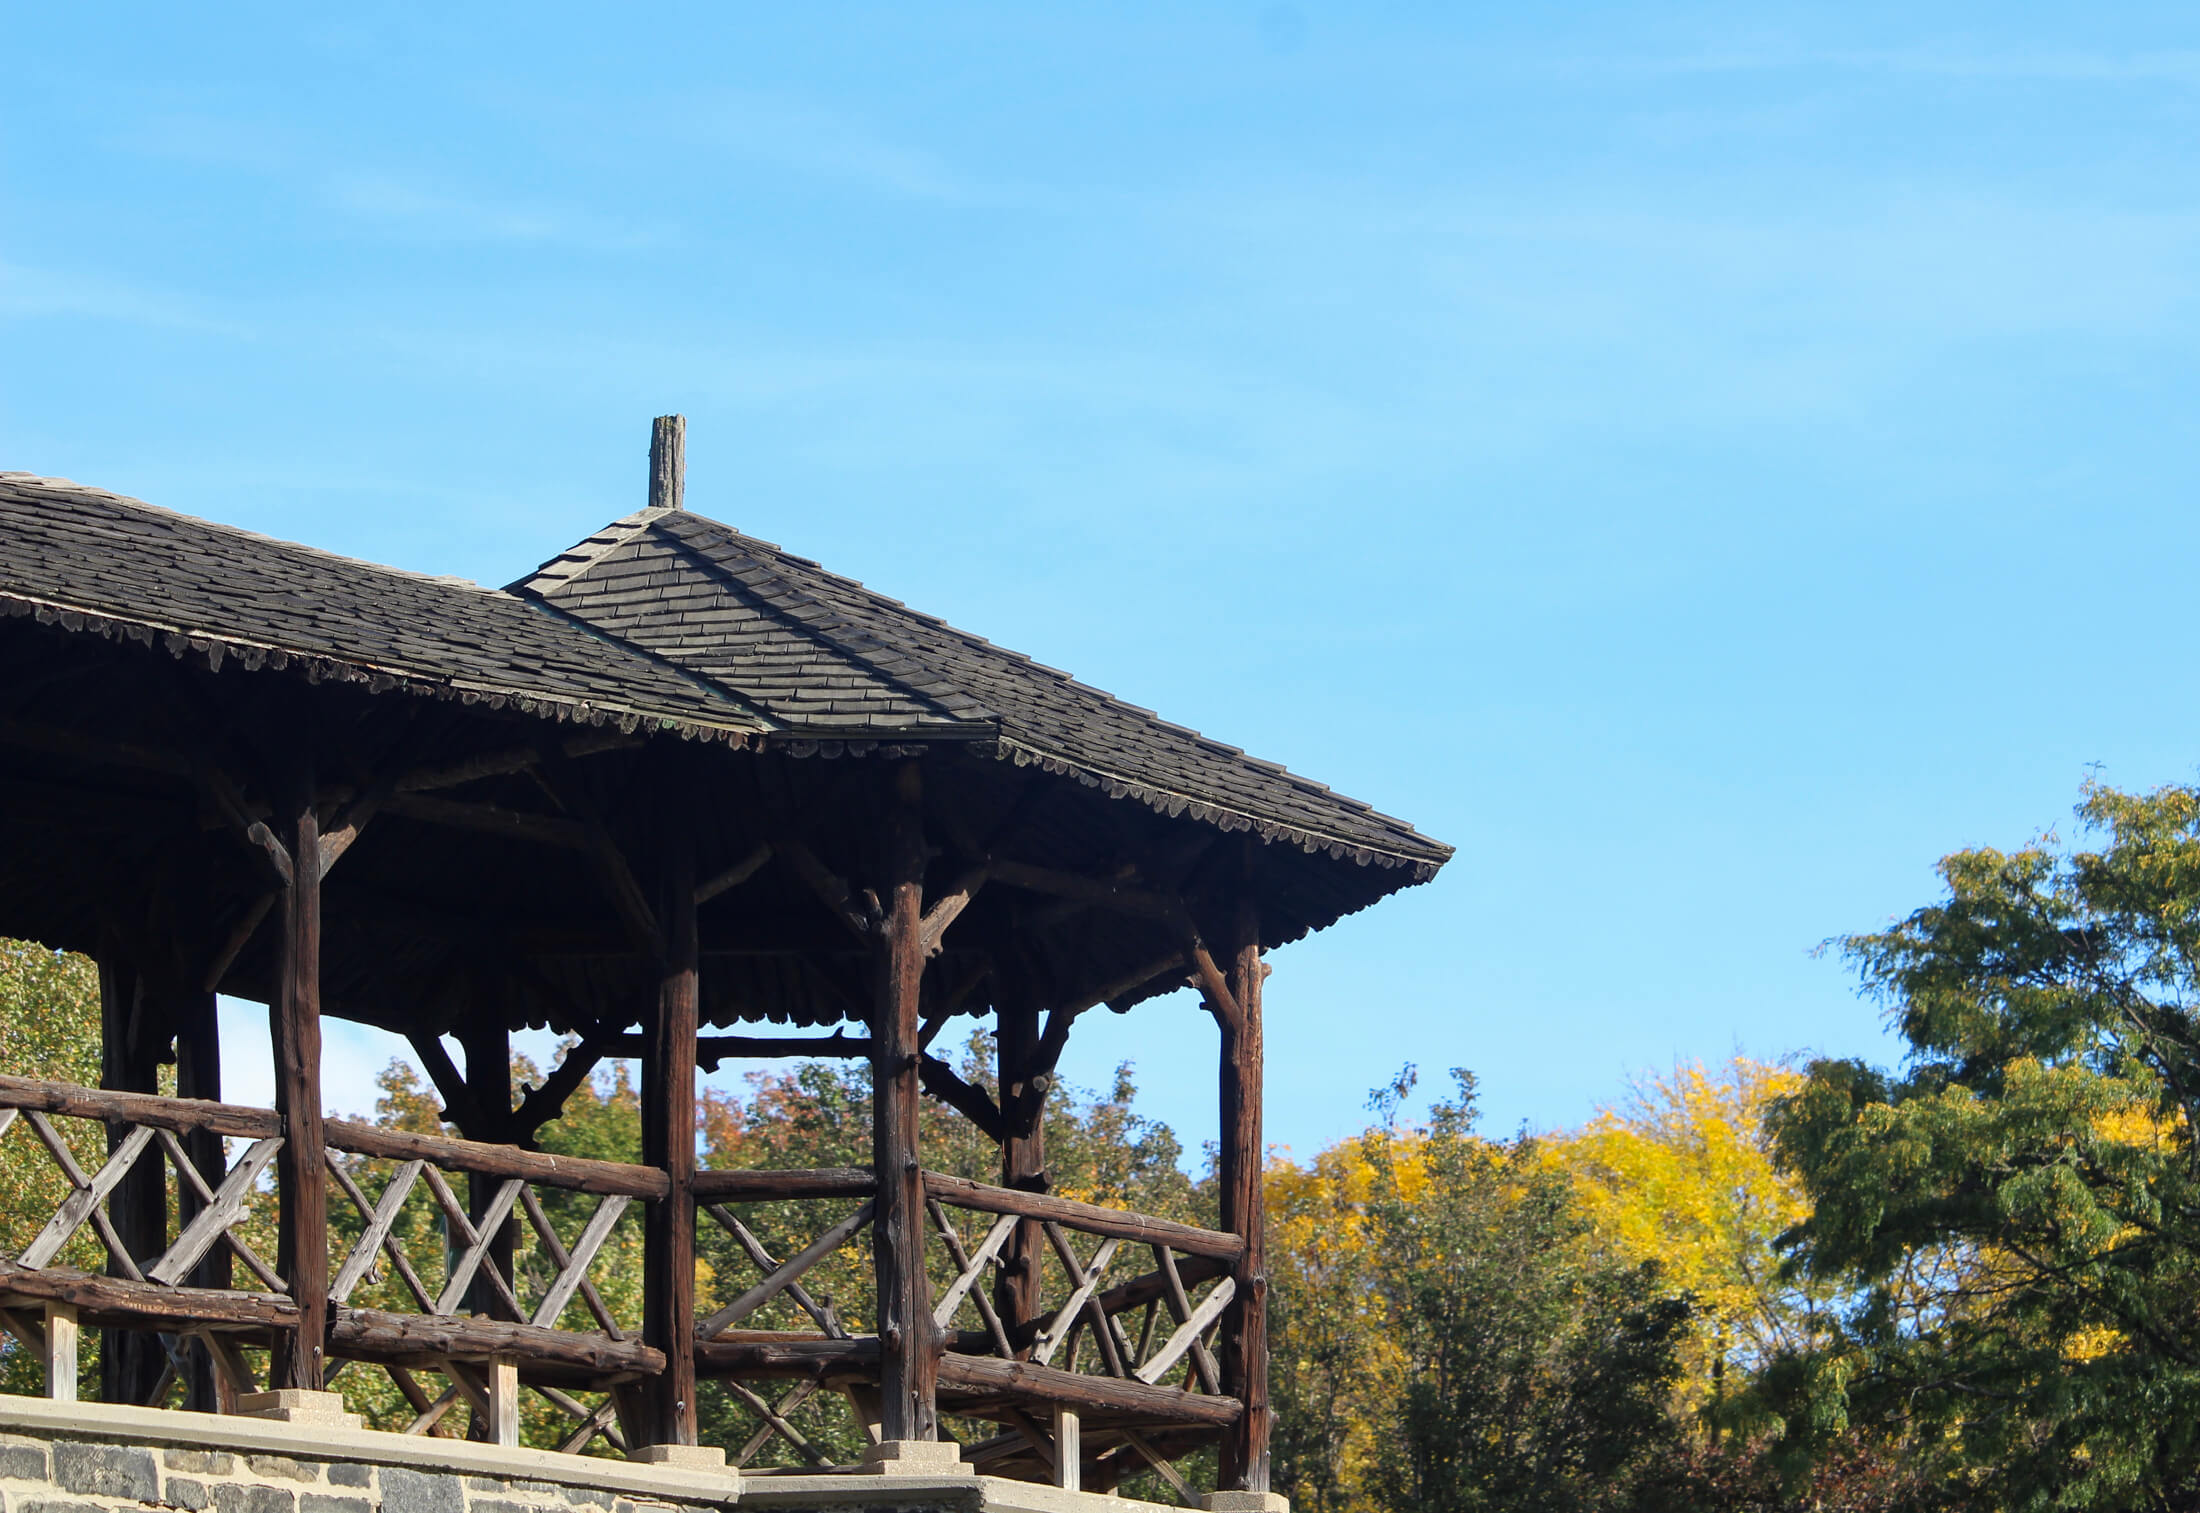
588, 551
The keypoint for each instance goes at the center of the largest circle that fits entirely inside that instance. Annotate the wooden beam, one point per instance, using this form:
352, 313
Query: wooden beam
491, 819
199, 1076
294, 1023
1117, 894
1090, 1218
973, 1103
181, 1115
574, 1173
909, 1363
1244, 1459
735, 875
1025, 1081
948, 907
668, 1143
780, 1184
133, 1037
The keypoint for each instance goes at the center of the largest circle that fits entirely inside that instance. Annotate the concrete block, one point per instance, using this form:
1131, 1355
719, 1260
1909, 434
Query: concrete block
916, 1457
106, 1471
686, 1457
1247, 1502
288, 1405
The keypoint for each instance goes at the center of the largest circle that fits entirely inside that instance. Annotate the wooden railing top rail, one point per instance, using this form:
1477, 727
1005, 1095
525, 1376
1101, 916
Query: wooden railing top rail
765, 1184
180, 1115
1090, 1218
578, 1173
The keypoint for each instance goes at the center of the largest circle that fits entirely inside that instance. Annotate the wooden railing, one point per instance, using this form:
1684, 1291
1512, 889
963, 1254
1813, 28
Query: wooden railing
460, 1306
1087, 1366
1075, 1388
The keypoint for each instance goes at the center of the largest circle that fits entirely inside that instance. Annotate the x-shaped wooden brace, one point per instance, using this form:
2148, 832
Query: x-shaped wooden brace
786, 1275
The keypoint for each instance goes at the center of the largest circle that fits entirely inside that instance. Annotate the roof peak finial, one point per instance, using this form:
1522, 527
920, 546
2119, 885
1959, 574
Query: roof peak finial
668, 463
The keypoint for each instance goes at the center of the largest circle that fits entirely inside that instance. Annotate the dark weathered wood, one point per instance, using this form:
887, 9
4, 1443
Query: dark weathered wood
1125, 1396
574, 1173
1101, 892
133, 1032
199, 1076
788, 1272
668, 1143
1244, 1460
543, 829
973, 1103
488, 1047
770, 1353
794, 1182
909, 1362
668, 462
1025, 1080
294, 1024
108, 1301
1088, 1217
179, 1114
1141, 1290
765, 1262
1180, 1309
735, 875
414, 1339
712, 1049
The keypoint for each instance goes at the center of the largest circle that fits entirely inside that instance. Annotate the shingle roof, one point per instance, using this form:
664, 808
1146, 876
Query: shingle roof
823, 657
78, 555
664, 619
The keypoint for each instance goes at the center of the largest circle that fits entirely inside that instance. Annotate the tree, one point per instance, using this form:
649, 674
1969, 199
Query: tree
1467, 1344
2016, 1215
1682, 1173
49, 1028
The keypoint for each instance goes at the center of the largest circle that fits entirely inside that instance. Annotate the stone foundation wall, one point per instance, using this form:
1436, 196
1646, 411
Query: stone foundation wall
87, 1476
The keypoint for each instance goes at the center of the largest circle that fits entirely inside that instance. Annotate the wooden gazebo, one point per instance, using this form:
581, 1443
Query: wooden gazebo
673, 783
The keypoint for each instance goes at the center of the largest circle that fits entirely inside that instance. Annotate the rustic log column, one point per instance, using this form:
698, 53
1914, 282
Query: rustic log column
199, 1075
131, 1360
294, 1025
1244, 1459
908, 1354
488, 1048
668, 1142
1016, 1294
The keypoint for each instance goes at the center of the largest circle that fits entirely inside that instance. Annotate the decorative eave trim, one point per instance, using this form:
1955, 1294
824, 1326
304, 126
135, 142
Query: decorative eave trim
319, 667
1222, 816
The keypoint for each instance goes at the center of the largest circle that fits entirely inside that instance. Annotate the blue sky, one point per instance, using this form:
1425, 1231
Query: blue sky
1703, 461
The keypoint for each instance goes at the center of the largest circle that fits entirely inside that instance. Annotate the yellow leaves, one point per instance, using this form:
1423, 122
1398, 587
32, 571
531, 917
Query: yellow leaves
1682, 1174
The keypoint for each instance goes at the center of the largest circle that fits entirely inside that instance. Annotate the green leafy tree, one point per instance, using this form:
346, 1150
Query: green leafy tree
2016, 1215
49, 1029
1537, 1371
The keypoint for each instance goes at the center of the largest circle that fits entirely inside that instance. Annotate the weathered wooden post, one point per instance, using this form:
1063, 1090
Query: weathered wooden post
908, 1351
1244, 1460
668, 1143
131, 1360
199, 1075
1023, 1161
294, 1026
